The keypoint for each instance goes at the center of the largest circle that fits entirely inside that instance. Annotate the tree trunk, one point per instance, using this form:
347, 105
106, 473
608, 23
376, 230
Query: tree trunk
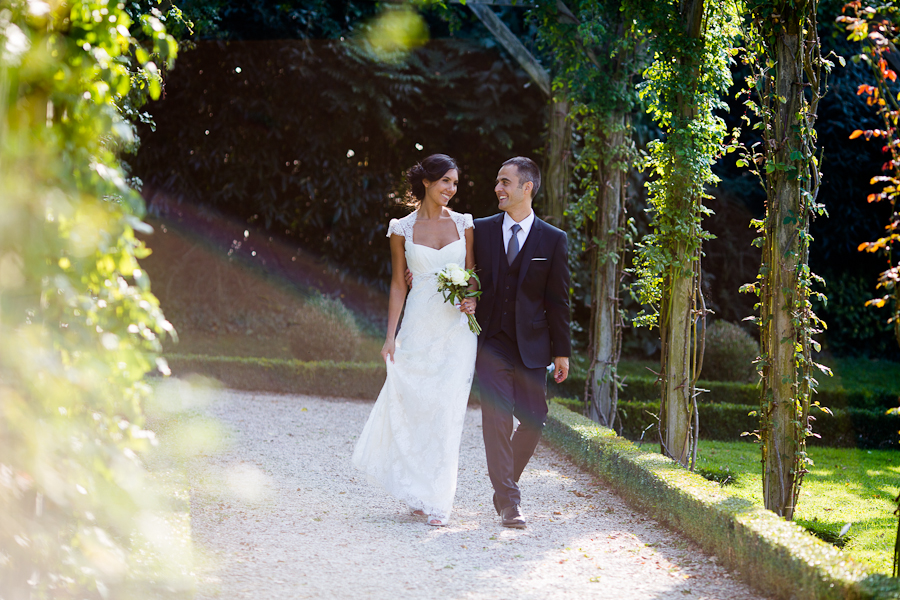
556, 162
783, 257
677, 309
606, 329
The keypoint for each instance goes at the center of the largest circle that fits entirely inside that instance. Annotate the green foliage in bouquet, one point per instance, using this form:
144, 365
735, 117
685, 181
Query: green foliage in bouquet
453, 284
79, 327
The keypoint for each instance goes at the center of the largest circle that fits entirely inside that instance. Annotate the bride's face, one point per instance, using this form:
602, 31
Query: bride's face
441, 191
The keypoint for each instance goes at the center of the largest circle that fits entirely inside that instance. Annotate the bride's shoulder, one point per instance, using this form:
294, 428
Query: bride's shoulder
462, 220
402, 226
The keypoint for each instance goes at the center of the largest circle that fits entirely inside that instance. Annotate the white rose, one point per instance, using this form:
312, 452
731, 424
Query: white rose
458, 276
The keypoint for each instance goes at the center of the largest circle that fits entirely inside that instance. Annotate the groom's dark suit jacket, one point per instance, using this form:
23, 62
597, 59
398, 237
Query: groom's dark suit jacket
542, 299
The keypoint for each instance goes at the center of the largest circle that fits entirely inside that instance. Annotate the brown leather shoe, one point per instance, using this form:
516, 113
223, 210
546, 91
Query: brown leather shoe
511, 517
496, 503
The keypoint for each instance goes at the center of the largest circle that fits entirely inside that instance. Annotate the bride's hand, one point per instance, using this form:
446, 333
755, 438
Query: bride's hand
387, 351
467, 306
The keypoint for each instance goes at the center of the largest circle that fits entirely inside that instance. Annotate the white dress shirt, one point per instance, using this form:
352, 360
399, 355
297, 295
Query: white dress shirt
522, 235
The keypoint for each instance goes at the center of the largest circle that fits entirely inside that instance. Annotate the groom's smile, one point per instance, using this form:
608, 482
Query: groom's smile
511, 194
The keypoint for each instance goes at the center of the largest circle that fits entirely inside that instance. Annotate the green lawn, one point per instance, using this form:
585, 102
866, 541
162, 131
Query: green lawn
844, 486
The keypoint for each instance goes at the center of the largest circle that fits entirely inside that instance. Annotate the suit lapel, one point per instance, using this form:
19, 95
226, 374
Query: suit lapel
496, 248
531, 244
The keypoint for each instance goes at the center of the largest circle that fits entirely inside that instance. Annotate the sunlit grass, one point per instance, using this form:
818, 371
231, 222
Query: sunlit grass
844, 486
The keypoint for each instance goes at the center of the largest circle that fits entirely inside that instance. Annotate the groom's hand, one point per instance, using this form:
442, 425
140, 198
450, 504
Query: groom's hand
560, 368
409, 279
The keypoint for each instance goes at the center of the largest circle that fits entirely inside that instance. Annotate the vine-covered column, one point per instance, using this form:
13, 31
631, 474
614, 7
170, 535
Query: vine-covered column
788, 77
592, 45
684, 84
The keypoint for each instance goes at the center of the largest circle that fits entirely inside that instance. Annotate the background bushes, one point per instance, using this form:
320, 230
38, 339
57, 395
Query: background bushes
730, 352
309, 139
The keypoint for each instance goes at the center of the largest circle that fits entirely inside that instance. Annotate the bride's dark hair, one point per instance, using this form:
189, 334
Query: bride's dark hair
432, 169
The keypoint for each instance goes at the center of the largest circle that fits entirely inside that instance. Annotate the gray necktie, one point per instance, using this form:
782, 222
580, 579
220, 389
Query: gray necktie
512, 249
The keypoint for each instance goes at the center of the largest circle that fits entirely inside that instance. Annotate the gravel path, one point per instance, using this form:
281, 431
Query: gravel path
279, 513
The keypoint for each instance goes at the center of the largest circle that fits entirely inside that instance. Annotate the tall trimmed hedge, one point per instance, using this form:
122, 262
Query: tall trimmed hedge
321, 378
645, 389
848, 428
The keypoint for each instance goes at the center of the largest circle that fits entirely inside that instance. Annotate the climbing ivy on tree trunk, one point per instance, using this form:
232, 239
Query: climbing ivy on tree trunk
789, 78
692, 40
593, 47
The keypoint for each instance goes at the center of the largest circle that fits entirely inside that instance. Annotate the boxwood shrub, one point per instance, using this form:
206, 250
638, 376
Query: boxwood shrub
853, 427
645, 389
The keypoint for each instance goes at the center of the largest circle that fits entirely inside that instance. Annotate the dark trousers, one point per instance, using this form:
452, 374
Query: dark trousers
509, 388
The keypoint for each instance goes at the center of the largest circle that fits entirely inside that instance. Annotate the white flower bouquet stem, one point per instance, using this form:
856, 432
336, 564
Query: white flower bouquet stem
453, 283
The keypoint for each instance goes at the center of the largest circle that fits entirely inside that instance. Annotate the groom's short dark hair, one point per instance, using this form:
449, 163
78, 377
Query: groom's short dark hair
528, 171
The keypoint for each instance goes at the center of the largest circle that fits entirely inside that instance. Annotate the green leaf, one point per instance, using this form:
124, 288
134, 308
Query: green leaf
142, 56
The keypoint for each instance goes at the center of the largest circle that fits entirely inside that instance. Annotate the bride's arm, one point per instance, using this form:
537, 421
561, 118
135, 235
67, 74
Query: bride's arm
468, 305
398, 293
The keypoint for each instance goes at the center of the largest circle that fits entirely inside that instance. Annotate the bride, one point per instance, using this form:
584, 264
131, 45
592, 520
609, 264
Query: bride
410, 444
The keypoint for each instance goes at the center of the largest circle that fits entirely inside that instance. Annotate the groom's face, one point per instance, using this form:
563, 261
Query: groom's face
512, 195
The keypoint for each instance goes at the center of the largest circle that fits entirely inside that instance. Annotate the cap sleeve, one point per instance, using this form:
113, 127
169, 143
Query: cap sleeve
394, 227
463, 222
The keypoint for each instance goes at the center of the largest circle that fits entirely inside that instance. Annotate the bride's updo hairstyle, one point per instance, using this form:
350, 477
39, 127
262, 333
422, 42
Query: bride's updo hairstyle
432, 169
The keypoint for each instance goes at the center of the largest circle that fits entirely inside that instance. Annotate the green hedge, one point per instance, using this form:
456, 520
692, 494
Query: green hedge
324, 378
718, 421
645, 389
774, 555
848, 428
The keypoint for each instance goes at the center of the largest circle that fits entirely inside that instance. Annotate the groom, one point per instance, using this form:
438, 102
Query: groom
524, 313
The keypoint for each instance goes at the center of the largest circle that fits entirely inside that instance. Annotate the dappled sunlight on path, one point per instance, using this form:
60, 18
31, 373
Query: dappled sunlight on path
282, 514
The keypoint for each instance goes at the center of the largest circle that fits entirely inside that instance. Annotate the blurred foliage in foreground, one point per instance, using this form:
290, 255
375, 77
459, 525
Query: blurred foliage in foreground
79, 327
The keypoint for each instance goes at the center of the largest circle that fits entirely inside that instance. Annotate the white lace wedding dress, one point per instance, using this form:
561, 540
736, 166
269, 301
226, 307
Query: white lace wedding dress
410, 444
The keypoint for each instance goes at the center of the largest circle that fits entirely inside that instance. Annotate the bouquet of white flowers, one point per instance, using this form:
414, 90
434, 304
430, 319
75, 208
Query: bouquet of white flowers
453, 283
